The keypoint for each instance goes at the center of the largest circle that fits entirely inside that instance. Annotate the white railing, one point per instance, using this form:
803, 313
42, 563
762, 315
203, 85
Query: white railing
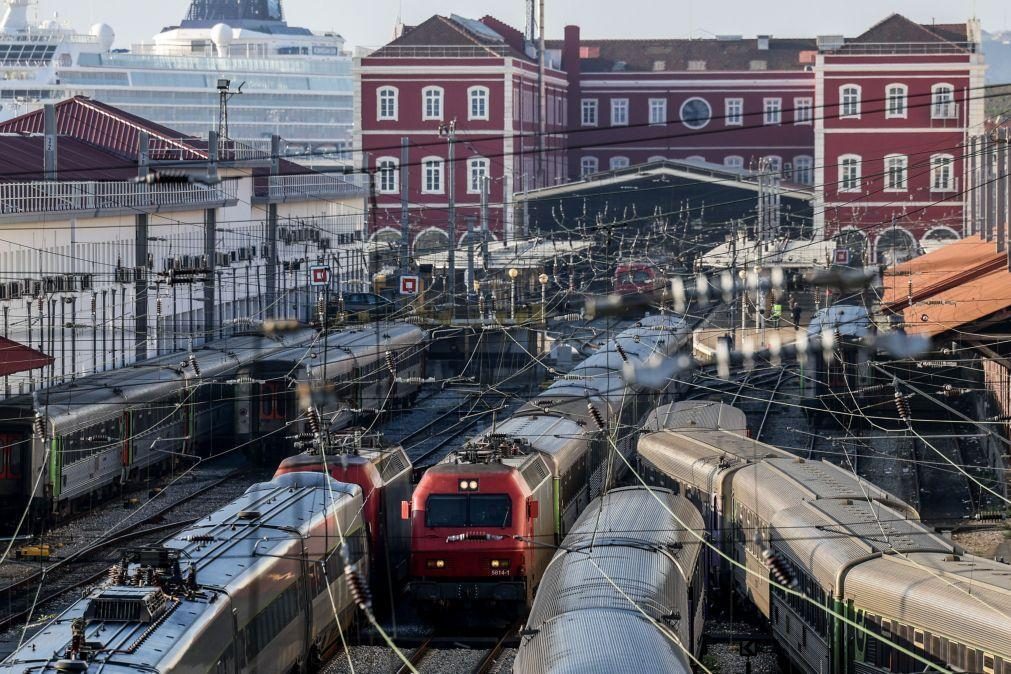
891, 48
316, 185
441, 51
87, 195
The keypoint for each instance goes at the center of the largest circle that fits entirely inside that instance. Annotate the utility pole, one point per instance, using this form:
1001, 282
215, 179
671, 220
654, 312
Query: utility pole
140, 255
210, 233
470, 255
449, 131
485, 186
271, 275
543, 101
405, 213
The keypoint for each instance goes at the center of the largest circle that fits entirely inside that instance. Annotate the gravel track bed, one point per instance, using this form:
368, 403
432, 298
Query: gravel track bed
451, 660
367, 660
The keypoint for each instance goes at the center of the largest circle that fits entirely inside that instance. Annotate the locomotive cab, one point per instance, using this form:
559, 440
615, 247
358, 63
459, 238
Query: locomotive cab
474, 532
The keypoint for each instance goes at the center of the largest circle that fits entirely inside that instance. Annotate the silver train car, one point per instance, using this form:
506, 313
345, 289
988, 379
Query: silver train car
246, 589
581, 623
850, 547
700, 414
355, 369
532, 475
80, 442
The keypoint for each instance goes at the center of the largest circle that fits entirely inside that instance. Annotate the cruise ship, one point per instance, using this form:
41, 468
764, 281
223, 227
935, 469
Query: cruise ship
281, 79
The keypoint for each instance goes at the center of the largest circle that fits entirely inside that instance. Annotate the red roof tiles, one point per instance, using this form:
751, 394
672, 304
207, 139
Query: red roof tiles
15, 357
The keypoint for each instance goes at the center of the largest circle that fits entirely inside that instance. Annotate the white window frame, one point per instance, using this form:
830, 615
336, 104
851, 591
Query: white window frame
732, 117
588, 166
440, 168
482, 94
395, 98
440, 97
656, 158
803, 163
776, 161
850, 109
394, 174
856, 178
736, 164
901, 162
592, 106
949, 111
472, 163
803, 111
618, 163
619, 105
935, 170
772, 111
889, 112
658, 112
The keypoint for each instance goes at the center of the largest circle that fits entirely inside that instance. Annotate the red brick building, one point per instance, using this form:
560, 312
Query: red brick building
900, 102
876, 123
482, 75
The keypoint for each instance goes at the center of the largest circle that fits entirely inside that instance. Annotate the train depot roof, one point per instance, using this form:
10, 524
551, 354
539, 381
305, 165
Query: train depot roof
15, 357
518, 254
786, 253
962, 283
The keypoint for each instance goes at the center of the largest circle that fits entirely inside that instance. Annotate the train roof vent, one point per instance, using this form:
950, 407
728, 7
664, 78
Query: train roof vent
392, 464
127, 604
535, 473
248, 514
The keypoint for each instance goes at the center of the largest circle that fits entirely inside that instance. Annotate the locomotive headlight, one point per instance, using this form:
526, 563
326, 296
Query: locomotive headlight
468, 485
436, 563
500, 563
472, 484
463, 485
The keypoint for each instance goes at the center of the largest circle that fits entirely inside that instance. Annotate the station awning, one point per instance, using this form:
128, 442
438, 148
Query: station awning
15, 357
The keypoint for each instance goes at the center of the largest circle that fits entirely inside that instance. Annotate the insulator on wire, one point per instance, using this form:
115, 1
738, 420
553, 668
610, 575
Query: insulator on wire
359, 588
158, 307
597, 418
779, 568
677, 287
390, 364
315, 424
94, 304
727, 286
192, 360
902, 406
621, 351
39, 426
41, 304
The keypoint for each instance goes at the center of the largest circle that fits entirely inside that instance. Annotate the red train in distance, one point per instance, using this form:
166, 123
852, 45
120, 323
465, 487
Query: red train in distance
637, 277
383, 471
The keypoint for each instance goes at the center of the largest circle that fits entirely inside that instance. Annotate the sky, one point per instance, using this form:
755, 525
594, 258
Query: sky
370, 23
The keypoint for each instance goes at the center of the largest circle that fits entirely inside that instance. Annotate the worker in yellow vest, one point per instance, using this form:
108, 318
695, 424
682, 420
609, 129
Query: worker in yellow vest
777, 313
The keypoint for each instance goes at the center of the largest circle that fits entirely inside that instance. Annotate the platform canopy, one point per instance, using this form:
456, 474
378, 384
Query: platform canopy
15, 357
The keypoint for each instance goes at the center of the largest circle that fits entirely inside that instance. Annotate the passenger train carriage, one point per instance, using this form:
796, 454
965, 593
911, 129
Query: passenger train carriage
94, 434
245, 589
850, 546
483, 519
353, 369
580, 622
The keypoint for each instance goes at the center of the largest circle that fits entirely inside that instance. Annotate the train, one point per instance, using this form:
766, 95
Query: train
870, 583
384, 472
638, 278
841, 380
77, 444
626, 591
264, 584
484, 519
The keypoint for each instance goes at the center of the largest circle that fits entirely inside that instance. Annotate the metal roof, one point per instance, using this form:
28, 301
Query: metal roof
16, 357
697, 414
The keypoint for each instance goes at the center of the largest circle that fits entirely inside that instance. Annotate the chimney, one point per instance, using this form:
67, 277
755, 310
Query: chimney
763, 42
49, 138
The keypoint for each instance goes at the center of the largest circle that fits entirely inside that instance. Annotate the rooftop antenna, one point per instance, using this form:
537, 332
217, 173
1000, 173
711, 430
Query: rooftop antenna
225, 94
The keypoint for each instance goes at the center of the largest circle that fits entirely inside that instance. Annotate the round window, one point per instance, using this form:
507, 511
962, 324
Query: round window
696, 113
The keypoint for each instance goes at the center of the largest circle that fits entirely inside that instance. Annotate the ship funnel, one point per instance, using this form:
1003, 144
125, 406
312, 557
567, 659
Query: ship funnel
16, 16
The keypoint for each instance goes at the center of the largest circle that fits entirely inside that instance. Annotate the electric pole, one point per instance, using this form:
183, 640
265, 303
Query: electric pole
449, 131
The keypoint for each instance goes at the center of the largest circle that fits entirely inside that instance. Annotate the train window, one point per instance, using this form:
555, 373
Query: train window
490, 511
446, 511
475, 510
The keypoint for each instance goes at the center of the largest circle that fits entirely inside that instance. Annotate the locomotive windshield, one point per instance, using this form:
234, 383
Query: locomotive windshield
473, 510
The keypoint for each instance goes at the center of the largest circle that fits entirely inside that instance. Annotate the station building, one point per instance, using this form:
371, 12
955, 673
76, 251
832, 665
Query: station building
875, 125
98, 270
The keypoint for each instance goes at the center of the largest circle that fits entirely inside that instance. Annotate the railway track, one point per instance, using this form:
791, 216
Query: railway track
476, 655
89, 564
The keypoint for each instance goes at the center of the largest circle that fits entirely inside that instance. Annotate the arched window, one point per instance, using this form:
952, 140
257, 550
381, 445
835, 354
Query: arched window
432, 168
387, 103
477, 171
850, 172
619, 163
895, 245
942, 173
657, 158
895, 97
896, 173
803, 170
849, 100
432, 240
734, 161
388, 178
855, 242
431, 103
588, 166
937, 237
942, 101
478, 103
771, 164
